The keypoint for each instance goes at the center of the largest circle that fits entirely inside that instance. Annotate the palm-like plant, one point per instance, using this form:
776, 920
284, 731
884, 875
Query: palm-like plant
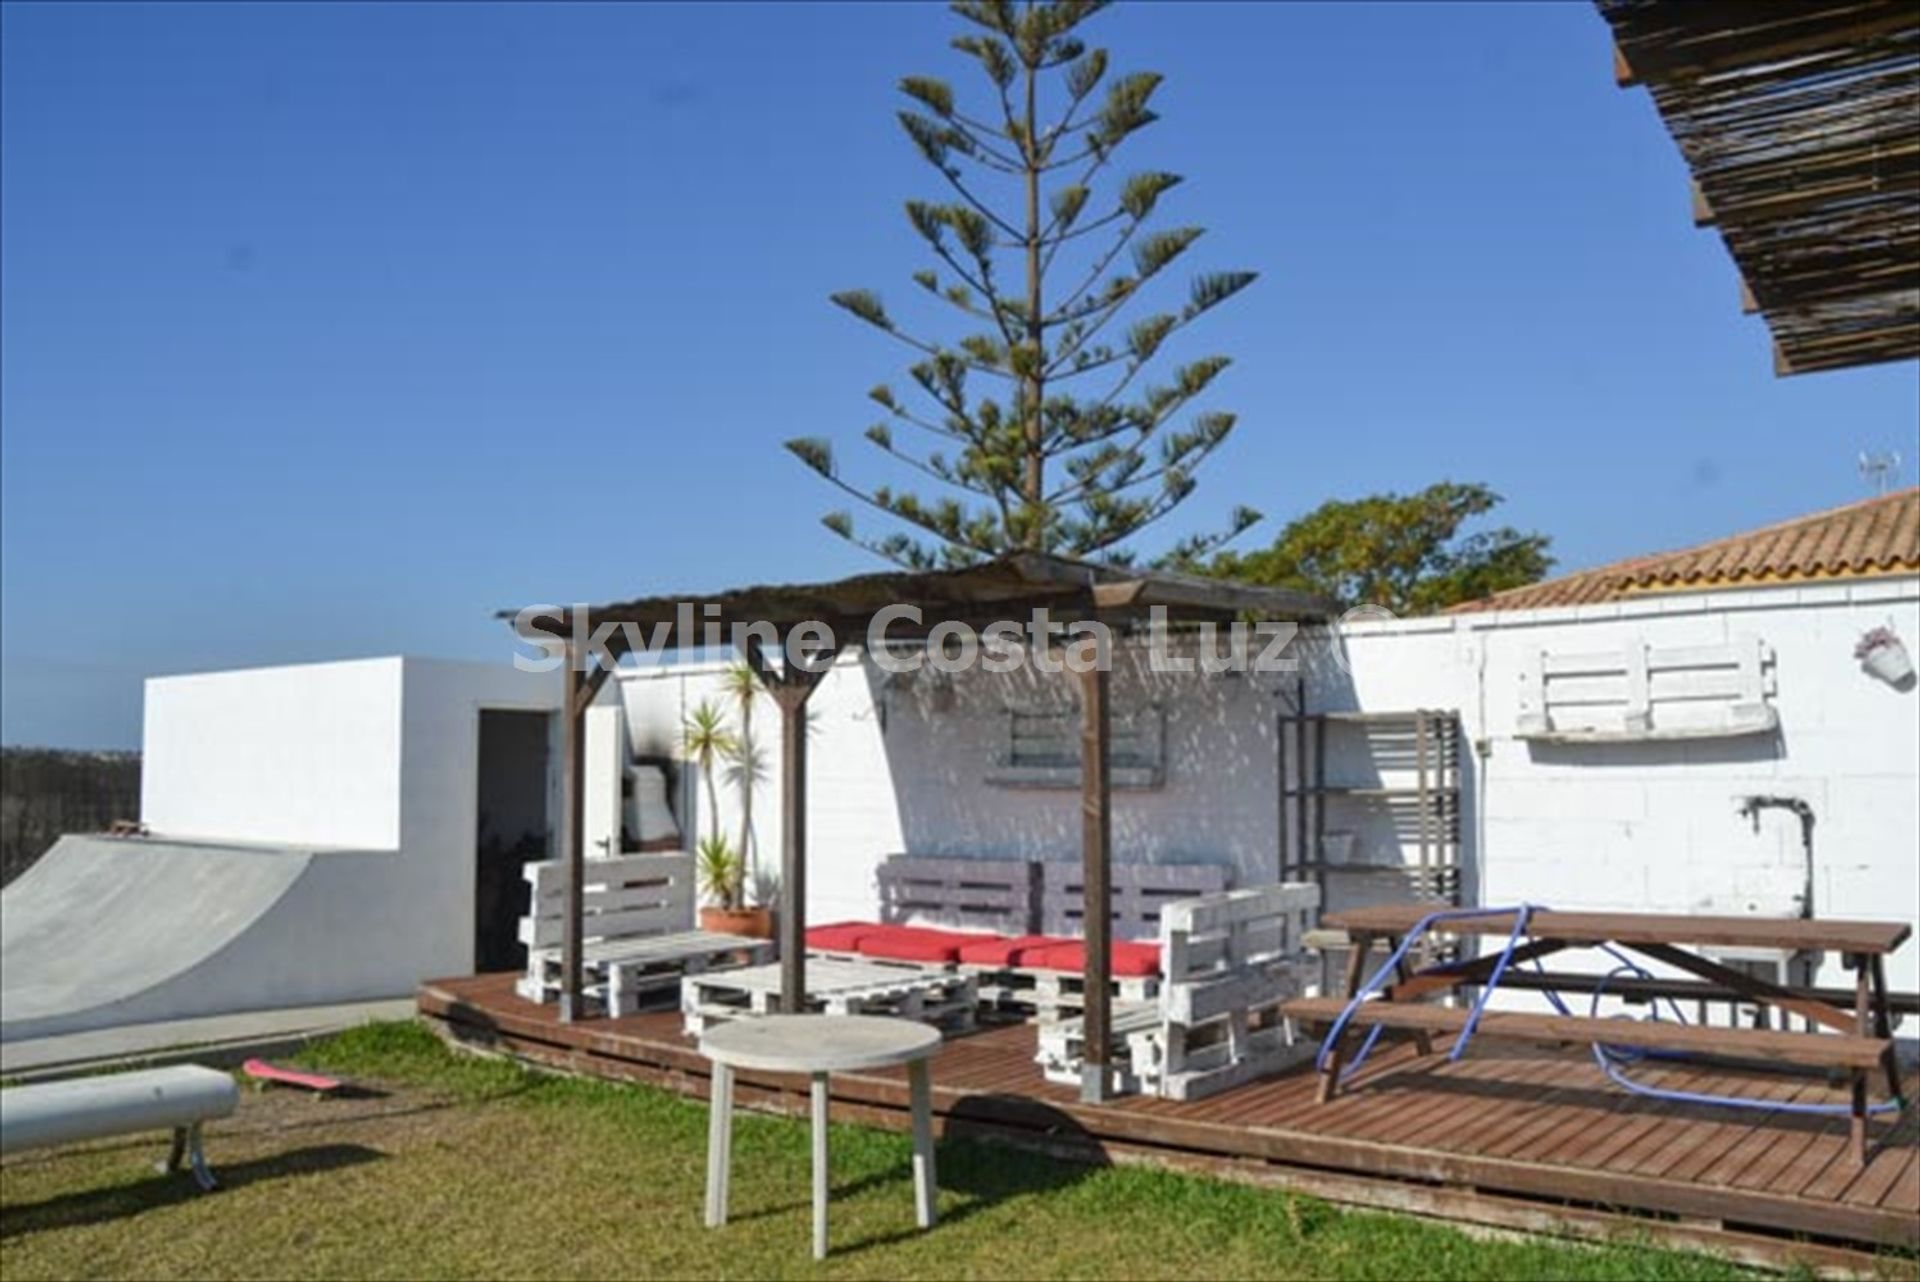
721, 871
707, 742
743, 687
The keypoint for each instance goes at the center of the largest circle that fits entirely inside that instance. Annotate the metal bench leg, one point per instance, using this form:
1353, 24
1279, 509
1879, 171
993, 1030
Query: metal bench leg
925, 1187
187, 1151
719, 1144
819, 1166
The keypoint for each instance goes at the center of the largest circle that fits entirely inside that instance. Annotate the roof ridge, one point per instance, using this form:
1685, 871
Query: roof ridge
1699, 562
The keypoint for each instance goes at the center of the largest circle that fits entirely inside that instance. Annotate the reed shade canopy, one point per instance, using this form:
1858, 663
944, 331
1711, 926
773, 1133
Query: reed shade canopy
1008, 587
1801, 124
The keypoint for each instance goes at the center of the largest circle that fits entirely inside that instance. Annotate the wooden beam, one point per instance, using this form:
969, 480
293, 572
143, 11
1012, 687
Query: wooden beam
790, 688
1622, 70
1702, 210
1096, 870
573, 806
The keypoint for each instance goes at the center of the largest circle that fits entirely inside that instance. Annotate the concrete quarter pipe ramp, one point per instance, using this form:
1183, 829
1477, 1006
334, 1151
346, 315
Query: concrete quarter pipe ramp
104, 931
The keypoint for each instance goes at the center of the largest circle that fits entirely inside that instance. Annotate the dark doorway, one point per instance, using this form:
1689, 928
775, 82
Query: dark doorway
511, 829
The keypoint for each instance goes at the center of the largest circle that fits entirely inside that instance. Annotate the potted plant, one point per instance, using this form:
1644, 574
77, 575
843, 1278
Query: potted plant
723, 879
1883, 656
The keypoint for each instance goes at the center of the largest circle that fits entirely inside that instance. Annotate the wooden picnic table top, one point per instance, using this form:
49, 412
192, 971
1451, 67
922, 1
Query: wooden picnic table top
1680, 929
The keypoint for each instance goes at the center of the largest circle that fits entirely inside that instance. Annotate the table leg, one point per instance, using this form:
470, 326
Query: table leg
1422, 1041
819, 1166
1883, 1028
1862, 1021
1362, 946
719, 1144
925, 1184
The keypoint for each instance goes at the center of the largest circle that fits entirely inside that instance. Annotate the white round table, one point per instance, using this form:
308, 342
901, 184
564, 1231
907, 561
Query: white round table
818, 1045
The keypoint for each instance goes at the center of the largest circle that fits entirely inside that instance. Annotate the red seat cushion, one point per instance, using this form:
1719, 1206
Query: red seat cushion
1130, 960
842, 936
998, 950
912, 943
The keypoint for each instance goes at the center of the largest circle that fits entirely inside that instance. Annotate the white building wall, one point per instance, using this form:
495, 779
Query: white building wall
1653, 827
1649, 827
375, 763
305, 755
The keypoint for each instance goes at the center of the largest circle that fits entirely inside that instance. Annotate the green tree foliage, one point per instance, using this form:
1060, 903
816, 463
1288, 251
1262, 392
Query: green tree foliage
1038, 424
1403, 551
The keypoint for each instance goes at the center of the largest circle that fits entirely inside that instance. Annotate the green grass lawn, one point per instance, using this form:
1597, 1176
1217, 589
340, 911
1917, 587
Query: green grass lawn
455, 1166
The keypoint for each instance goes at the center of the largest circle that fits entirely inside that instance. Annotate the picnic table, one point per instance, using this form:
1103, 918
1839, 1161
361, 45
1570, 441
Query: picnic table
1860, 1043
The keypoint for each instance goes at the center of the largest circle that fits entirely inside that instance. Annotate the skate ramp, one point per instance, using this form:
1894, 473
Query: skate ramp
106, 931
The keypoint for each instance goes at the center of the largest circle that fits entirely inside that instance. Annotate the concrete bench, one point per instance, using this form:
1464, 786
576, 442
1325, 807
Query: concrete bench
180, 1099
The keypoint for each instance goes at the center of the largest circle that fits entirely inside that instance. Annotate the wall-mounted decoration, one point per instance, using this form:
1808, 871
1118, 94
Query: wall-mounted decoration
1884, 657
1040, 748
1641, 692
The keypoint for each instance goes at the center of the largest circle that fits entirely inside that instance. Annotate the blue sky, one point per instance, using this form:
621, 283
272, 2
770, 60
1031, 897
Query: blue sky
327, 330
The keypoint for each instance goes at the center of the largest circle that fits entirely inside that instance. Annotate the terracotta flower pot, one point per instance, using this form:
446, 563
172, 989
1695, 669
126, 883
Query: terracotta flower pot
754, 923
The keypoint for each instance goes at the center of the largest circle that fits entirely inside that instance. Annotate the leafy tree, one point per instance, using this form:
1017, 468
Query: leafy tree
1403, 551
1068, 448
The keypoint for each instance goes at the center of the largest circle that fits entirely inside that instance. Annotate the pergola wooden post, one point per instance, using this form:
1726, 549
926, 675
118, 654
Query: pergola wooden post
791, 687
581, 687
1096, 872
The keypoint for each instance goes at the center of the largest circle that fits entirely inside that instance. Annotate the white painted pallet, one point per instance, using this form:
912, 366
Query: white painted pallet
622, 975
1058, 994
1063, 1044
1228, 960
940, 997
1138, 894
1000, 895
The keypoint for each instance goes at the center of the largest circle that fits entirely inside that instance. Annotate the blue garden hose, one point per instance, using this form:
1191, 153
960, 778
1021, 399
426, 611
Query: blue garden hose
1609, 1058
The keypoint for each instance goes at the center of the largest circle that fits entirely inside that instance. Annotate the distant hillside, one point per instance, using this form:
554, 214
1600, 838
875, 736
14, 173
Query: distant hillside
48, 791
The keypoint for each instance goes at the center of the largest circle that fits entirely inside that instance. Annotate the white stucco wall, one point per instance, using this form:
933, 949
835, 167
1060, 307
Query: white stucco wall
308, 755
375, 764
1630, 826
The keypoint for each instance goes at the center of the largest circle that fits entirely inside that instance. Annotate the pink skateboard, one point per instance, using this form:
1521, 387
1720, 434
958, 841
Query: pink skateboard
265, 1074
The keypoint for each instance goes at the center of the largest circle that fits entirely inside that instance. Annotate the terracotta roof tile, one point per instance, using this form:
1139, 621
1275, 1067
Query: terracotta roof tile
1873, 536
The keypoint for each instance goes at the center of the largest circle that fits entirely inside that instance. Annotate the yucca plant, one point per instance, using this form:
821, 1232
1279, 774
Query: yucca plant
721, 871
743, 687
707, 742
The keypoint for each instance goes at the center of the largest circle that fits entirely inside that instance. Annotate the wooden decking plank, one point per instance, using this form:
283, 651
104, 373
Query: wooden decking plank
1471, 1089
1668, 1121
1521, 1093
986, 1079
1697, 1144
1878, 1179
1486, 1091
1764, 1132
1903, 1194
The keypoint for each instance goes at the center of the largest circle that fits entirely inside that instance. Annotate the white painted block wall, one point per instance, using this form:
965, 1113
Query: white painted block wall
1650, 827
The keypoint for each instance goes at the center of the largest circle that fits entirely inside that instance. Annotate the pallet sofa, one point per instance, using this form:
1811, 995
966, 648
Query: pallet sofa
637, 929
1014, 926
1231, 960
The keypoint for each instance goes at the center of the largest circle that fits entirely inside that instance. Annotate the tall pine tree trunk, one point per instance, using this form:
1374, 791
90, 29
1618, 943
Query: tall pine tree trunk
1036, 453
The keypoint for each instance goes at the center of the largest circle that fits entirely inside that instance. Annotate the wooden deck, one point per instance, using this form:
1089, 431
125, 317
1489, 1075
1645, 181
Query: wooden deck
1515, 1137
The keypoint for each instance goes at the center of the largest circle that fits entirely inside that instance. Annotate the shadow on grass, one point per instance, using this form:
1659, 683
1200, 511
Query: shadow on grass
92, 1206
993, 1148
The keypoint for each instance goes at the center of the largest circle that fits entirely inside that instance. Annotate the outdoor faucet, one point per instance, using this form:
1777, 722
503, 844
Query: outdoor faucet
1750, 808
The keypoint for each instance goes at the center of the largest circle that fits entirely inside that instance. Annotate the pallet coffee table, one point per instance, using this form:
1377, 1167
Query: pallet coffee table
834, 987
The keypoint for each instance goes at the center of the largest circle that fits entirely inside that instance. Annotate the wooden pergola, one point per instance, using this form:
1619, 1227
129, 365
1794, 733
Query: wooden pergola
1007, 588
1801, 124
